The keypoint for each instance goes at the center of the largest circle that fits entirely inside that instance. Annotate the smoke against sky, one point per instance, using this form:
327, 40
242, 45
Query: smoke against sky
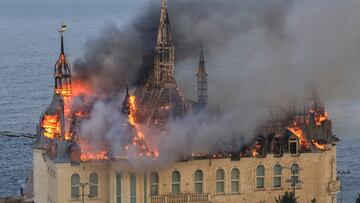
258, 53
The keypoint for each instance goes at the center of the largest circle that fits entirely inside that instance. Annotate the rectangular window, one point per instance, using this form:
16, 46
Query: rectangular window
294, 181
175, 188
198, 188
93, 190
234, 186
145, 188
219, 187
260, 183
118, 188
132, 188
277, 182
75, 192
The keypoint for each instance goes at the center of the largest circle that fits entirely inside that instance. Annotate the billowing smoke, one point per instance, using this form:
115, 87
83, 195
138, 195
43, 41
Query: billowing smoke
258, 54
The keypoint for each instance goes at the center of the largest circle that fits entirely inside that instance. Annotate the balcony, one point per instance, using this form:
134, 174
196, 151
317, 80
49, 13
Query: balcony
184, 198
333, 187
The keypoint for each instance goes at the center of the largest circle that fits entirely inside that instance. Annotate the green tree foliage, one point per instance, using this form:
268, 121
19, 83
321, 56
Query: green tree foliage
288, 197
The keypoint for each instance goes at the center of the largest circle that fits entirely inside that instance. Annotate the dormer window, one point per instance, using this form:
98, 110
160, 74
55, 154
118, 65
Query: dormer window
293, 145
276, 147
261, 143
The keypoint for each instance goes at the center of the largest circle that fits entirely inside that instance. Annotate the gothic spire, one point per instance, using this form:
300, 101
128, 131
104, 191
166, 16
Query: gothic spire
163, 71
202, 81
164, 32
202, 68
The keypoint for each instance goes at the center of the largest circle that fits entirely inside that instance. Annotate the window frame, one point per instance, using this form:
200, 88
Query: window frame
220, 181
260, 177
199, 182
94, 185
277, 176
294, 175
133, 187
294, 139
235, 180
118, 187
175, 183
75, 186
154, 184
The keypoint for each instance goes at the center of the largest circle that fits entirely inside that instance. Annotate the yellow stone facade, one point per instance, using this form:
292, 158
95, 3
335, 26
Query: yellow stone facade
317, 175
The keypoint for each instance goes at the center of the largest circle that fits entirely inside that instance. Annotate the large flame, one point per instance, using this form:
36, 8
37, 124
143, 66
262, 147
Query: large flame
51, 125
90, 153
139, 138
300, 135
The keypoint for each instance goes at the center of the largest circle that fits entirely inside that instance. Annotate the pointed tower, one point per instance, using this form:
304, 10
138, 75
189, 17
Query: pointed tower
62, 73
55, 120
164, 50
160, 99
202, 81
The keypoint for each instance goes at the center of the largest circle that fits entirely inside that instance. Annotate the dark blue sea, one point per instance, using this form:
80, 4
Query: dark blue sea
29, 47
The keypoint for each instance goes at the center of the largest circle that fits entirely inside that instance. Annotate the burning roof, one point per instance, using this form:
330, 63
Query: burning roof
152, 105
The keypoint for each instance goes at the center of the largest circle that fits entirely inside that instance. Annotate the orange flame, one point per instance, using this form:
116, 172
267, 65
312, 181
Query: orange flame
322, 147
298, 132
320, 118
139, 139
89, 153
51, 126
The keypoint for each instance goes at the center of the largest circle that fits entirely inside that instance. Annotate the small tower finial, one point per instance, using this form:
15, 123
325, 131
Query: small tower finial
164, 3
202, 59
62, 30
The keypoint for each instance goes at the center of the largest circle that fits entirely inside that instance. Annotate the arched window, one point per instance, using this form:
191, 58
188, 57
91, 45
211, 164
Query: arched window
93, 185
294, 175
293, 145
198, 176
277, 176
154, 184
75, 186
260, 177
220, 181
235, 180
175, 179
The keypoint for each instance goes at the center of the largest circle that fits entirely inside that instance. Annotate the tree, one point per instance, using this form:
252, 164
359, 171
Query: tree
288, 197
358, 199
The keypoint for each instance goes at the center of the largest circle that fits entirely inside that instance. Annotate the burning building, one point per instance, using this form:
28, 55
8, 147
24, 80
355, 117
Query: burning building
294, 150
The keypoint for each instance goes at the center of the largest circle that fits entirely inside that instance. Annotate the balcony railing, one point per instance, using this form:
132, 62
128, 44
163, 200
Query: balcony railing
334, 187
185, 198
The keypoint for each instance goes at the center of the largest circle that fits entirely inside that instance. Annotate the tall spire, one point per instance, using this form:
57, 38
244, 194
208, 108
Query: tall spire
164, 51
164, 32
164, 4
202, 81
62, 69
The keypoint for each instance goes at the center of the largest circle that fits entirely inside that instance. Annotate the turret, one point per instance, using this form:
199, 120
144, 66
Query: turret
55, 120
164, 50
202, 81
62, 73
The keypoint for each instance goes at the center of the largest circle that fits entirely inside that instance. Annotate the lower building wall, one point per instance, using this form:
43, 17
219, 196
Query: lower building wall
317, 170
40, 177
